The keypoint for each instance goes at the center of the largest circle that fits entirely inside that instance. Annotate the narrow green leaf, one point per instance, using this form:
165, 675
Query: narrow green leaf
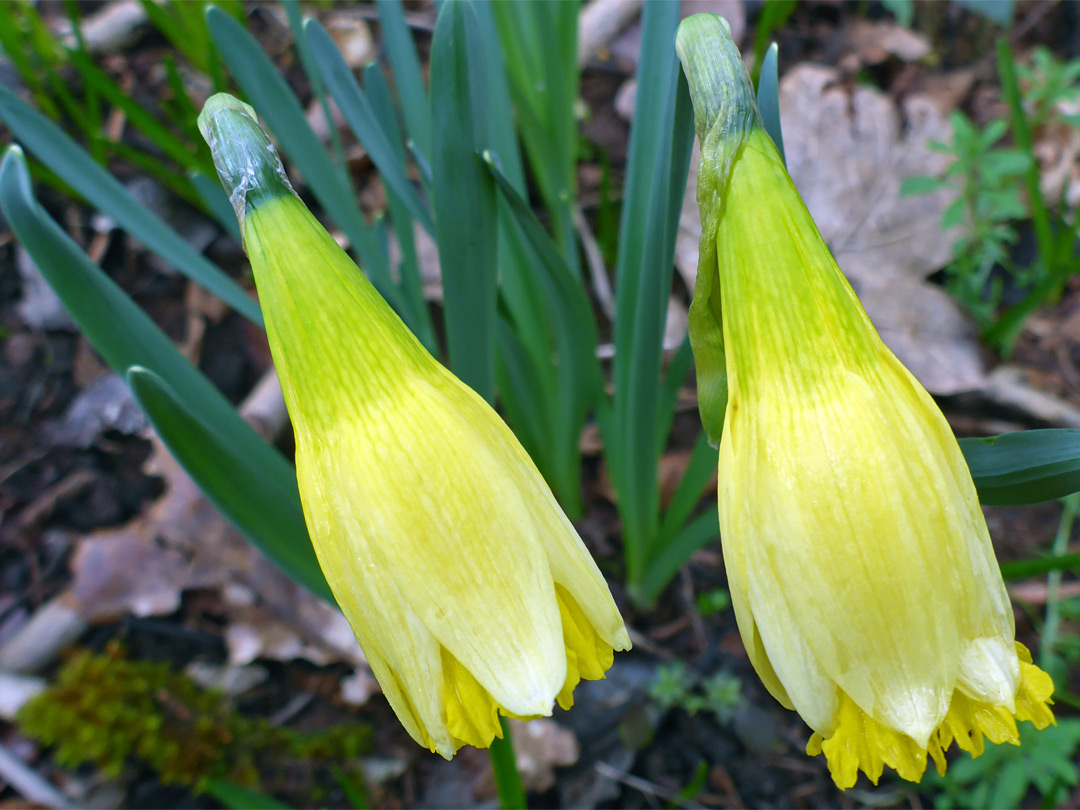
1029, 466
768, 98
567, 371
235, 797
572, 322
523, 394
504, 140
463, 194
271, 97
412, 286
237, 486
354, 791
674, 379
63, 156
172, 146
311, 70
408, 79
673, 555
361, 118
699, 471
123, 334
539, 43
661, 142
1022, 569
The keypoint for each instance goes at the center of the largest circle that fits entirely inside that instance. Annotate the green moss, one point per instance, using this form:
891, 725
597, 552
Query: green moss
108, 710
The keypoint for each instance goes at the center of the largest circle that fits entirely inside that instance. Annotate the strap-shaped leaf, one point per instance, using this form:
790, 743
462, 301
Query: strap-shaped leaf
464, 195
271, 97
412, 286
408, 80
360, 115
1029, 466
76, 168
234, 484
768, 98
573, 326
124, 335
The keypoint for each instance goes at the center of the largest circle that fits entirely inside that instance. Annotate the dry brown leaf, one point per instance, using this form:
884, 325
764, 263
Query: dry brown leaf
541, 746
848, 151
180, 543
874, 42
1057, 148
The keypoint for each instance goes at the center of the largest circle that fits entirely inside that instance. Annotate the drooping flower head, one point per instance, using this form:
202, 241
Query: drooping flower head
468, 589
862, 574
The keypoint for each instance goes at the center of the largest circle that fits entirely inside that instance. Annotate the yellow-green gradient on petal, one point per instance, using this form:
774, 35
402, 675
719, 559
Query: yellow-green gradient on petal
861, 570
468, 589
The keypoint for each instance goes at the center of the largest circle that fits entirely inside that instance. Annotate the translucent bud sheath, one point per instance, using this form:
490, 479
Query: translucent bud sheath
247, 163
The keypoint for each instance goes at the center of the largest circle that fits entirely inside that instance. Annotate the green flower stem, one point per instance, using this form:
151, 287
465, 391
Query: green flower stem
507, 777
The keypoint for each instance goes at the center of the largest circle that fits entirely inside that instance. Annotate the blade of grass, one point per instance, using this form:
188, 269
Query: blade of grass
171, 146
271, 97
577, 383
63, 156
773, 15
125, 337
360, 116
464, 196
674, 379
1026, 467
236, 797
232, 482
408, 79
296, 25
1004, 332
1023, 569
660, 145
524, 396
673, 555
382, 102
354, 792
12, 41
1052, 625
687, 495
539, 44
768, 98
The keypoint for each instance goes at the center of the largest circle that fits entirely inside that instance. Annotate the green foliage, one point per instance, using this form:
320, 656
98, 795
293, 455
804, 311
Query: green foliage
993, 177
69, 87
676, 687
105, 710
712, 602
1003, 775
984, 175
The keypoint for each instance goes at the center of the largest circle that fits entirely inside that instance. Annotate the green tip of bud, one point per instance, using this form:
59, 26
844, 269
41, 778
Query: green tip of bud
245, 159
719, 84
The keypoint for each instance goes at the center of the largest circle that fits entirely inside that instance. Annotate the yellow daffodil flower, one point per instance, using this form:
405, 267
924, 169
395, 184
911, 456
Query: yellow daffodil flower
468, 589
861, 571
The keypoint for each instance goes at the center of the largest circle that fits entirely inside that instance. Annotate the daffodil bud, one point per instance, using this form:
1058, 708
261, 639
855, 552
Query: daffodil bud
468, 589
861, 571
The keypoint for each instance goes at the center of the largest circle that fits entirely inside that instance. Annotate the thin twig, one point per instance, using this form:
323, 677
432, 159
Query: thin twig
645, 786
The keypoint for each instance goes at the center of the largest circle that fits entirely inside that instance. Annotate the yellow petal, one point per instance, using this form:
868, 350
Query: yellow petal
465, 584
